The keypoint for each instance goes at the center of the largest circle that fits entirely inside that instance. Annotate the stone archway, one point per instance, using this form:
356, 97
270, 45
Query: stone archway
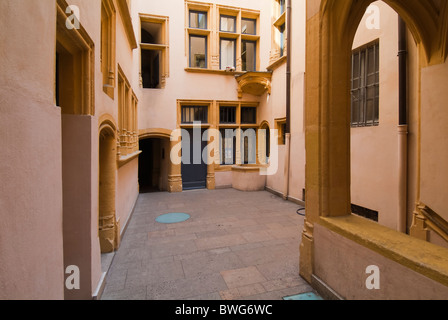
174, 179
108, 229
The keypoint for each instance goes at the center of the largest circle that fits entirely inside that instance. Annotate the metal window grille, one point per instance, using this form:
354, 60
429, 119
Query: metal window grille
248, 115
191, 114
227, 115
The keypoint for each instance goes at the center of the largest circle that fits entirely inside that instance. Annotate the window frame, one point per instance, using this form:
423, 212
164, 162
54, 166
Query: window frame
220, 52
255, 26
235, 111
255, 55
163, 47
205, 48
234, 23
205, 13
194, 107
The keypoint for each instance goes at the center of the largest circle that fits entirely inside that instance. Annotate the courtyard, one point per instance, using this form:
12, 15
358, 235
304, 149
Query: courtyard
236, 245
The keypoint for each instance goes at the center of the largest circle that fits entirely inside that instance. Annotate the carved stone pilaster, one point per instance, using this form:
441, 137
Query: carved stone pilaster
307, 252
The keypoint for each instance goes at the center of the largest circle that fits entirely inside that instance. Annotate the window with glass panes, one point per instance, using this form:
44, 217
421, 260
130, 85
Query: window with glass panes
227, 24
248, 26
365, 86
198, 19
227, 146
191, 114
228, 53
248, 55
198, 51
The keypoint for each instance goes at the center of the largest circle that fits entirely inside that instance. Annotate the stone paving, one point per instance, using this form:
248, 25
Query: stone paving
236, 245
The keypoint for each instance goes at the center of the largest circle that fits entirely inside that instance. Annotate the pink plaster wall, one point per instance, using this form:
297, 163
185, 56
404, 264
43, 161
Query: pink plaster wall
31, 256
127, 190
374, 155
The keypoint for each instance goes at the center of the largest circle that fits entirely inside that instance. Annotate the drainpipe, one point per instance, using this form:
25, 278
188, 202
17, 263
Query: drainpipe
402, 128
288, 98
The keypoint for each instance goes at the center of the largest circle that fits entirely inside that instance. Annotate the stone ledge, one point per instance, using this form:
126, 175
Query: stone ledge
422, 257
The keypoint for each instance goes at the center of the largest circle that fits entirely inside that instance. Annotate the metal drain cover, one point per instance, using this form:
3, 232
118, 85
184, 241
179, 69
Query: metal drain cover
173, 218
304, 296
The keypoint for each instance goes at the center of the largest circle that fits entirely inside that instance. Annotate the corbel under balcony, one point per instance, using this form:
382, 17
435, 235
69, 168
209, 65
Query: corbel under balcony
255, 83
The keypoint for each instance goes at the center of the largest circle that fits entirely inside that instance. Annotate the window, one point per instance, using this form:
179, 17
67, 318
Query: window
282, 30
280, 126
365, 86
282, 6
191, 114
249, 26
215, 36
107, 53
279, 31
127, 116
227, 115
227, 146
248, 55
228, 53
248, 115
198, 34
74, 59
198, 51
154, 51
238, 133
198, 19
249, 146
228, 24
283, 133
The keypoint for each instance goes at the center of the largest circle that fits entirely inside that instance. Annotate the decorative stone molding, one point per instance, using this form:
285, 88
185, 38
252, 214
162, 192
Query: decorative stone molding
426, 220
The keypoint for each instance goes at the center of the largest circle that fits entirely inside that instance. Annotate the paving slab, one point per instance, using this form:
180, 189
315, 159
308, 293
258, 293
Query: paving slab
236, 245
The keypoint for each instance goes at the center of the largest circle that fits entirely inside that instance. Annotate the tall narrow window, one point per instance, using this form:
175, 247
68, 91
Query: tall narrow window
227, 146
154, 51
282, 39
198, 51
365, 86
248, 146
228, 53
248, 55
107, 49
